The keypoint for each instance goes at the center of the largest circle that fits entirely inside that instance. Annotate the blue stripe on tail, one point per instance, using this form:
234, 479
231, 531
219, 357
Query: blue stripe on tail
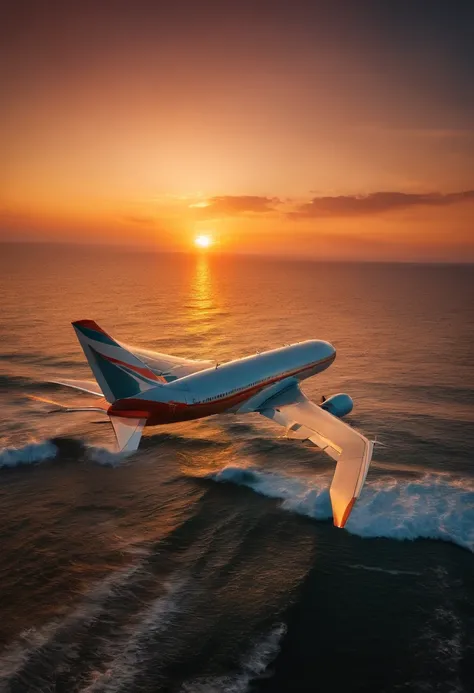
120, 383
95, 334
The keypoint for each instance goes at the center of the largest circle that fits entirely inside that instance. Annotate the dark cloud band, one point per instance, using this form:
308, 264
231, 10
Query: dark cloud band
375, 203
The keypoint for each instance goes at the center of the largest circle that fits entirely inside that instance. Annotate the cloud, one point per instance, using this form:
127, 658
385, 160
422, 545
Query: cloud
375, 203
235, 205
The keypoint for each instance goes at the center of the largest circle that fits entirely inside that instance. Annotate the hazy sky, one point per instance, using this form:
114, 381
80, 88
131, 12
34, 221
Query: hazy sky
328, 129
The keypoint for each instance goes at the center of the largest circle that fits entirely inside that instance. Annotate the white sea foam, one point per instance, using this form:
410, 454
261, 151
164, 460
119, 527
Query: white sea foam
105, 456
306, 496
32, 453
252, 666
32, 640
434, 506
129, 656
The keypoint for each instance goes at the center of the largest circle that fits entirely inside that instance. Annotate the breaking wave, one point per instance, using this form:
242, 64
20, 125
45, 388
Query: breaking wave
34, 453
435, 506
104, 456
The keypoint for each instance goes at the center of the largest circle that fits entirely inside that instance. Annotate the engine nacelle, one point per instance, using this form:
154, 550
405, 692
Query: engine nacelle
338, 405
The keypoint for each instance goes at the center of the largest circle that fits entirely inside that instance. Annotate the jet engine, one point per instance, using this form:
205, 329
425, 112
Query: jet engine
338, 405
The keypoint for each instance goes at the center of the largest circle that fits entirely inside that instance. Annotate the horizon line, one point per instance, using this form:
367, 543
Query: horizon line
152, 249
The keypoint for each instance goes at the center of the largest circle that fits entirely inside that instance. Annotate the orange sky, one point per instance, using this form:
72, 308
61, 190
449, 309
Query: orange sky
302, 128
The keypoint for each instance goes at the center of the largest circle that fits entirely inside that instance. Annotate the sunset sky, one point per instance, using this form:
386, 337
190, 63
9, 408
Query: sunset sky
339, 130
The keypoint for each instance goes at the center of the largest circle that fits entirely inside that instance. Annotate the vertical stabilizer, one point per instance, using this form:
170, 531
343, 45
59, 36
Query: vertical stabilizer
118, 372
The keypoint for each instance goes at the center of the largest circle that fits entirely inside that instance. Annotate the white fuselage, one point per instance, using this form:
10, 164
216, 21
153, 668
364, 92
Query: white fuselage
228, 386
300, 360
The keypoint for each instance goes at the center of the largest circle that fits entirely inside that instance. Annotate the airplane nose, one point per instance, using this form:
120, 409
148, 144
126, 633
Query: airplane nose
325, 350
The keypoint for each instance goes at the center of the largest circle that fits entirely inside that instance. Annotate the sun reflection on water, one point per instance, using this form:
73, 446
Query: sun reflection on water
201, 307
203, 296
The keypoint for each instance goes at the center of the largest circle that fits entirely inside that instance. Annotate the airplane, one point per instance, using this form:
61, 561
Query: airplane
141, 388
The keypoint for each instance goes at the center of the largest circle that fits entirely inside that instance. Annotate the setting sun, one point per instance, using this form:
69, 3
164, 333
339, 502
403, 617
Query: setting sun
203, 241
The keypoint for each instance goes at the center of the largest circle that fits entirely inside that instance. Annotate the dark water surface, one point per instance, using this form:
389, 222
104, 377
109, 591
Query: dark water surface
207, 561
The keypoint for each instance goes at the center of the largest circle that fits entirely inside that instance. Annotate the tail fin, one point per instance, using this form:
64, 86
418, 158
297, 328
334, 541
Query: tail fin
118, 372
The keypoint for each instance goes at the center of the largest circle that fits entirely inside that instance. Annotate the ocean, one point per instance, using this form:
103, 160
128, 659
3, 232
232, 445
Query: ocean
207, 562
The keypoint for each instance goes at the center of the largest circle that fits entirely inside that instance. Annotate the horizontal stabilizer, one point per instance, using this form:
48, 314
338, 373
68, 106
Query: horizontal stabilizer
58, 406
89, 386
128, 432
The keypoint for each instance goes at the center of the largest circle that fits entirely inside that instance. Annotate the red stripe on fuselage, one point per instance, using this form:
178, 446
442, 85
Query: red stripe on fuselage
172, 412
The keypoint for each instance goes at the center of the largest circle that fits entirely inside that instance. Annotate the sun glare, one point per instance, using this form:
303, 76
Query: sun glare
203, 241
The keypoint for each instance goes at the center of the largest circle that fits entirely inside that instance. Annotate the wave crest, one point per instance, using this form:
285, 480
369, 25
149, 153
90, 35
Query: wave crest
435, 506
32, 453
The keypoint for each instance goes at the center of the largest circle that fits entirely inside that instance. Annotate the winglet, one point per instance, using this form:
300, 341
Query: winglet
340, 521
348, 479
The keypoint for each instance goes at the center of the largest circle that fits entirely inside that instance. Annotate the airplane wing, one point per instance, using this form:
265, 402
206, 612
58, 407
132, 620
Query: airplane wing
353, 452
169, 367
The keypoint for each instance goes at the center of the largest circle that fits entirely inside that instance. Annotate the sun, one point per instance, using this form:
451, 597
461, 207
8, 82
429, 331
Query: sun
203, 241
